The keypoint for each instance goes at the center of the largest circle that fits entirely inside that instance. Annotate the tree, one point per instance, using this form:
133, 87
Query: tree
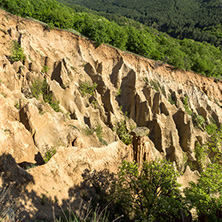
150, 193
206, 194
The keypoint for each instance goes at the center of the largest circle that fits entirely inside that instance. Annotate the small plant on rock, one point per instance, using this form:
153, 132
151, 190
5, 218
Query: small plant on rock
49, 154
198, 121
45, 69
42, 88
36, 88
99, 133
123, 133
186, 105
17, 106
17, 52
87, 88
119, 92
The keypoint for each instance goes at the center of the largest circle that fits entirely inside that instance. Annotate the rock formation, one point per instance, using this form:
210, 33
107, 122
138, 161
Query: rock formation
82, 135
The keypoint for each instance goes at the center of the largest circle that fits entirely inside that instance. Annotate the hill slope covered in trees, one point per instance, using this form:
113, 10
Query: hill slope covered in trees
196, 19
186, 54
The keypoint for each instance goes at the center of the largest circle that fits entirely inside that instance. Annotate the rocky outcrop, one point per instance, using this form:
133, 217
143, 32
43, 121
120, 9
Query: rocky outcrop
145, 94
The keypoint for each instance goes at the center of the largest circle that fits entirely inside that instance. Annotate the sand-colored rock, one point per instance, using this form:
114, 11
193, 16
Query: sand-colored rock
142, 92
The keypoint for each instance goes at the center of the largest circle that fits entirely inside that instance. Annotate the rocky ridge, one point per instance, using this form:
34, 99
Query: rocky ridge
150, 97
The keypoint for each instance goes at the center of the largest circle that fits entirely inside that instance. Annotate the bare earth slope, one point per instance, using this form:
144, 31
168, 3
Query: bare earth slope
142, 92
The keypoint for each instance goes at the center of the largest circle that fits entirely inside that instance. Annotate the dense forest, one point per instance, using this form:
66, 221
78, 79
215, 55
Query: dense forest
184, 54
196, 19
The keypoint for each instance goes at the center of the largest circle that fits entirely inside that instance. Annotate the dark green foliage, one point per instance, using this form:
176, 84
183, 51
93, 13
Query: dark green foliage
206, 194
214, 145
149, 194
17, 52
196, 19
184, 54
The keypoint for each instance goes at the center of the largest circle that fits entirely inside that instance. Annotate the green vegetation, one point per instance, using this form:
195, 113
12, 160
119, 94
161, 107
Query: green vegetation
123, 133
201, 155
17, 106
42, 88
45, 69
206, 194
184, 54
198, 121
119, 92
151, 193
195, 19
95, 103
87, 88
186, 105
211, 128
17, 52
36, 88
99, 133
155, 85
49, 154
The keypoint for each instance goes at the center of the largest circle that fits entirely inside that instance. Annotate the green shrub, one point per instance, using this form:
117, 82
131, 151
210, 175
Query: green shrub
200, 154
42, 88
198, 121
123, 133
36, 88
49, 154
95, 103
186, 105
149, 193
17, 52
45, 69
87, 88
55, 105
211, 128
206, 195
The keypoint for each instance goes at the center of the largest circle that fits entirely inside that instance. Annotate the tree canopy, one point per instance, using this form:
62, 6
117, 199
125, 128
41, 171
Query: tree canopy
184, 54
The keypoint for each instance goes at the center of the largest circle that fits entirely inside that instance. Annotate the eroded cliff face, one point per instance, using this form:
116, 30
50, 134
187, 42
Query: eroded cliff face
139, 91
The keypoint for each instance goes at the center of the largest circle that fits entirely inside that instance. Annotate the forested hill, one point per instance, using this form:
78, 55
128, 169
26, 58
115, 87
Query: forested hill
184, 54
197, 19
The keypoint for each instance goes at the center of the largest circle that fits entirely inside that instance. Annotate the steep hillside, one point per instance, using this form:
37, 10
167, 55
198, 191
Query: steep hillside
184, 54
196, 19
64, 103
